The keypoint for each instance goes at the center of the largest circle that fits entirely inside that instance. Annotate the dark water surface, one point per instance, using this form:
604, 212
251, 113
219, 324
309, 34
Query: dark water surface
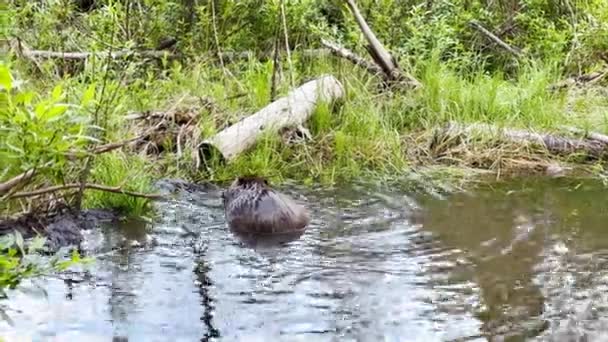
524, 260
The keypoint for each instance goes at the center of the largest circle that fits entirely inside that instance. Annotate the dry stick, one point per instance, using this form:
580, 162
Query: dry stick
351, 56
379, 53
99, 187
113, 146
13, 182
287, 49
495, 39
386, 61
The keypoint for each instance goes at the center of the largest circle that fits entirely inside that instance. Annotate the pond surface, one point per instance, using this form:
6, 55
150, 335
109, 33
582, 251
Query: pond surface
523, 260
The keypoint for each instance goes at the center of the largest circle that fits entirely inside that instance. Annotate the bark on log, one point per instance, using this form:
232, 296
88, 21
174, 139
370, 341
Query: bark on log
292, 110
558, 145
589, 135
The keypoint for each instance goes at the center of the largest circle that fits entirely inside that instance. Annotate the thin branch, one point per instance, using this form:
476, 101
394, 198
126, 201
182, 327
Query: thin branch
340, 51
13, 182
515, 51
287, 49
92, 186
387, 62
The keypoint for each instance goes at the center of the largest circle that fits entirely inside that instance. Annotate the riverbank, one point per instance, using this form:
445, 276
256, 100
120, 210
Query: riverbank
93, 129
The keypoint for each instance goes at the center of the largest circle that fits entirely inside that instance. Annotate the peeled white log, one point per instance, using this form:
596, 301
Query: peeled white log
291, 110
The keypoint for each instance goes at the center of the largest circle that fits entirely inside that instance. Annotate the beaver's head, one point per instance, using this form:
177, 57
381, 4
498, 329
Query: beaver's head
249, 182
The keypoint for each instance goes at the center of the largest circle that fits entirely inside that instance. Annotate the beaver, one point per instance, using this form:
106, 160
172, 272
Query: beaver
252, 206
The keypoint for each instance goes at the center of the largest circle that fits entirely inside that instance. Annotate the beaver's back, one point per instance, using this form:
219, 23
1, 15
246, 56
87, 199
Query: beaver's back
261, 210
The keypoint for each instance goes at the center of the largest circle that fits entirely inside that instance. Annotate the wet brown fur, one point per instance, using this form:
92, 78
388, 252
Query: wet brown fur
252, 206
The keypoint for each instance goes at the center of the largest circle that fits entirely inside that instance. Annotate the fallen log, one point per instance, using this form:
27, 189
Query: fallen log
555, 144
589, 135
291, 110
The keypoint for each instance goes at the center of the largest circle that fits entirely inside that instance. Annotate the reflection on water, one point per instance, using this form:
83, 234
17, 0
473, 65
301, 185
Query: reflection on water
515, 261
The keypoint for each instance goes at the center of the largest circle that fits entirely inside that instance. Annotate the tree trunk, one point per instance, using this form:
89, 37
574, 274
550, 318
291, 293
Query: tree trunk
292, 110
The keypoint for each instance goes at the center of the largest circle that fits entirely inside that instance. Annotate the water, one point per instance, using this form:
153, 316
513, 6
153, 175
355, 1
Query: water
525, 260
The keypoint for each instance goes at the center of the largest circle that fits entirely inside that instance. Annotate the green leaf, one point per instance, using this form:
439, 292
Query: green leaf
6, 81
89, 94
55, 111
57, 92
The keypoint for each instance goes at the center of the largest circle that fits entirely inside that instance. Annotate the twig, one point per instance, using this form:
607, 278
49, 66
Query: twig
351, 56
495, 39
13, 182
113, 146
275, 68
92, 186
287, 49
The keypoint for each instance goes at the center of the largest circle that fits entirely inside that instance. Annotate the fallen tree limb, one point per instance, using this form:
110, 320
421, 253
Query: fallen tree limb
351, 56
292, 110
553, 143
516, 52
379, 53
13, 182
99, 187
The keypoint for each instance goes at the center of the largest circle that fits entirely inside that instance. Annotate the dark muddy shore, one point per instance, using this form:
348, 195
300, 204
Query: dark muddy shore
63, 228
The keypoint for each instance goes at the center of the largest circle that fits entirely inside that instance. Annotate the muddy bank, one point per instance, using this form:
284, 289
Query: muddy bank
64, 227
61, 229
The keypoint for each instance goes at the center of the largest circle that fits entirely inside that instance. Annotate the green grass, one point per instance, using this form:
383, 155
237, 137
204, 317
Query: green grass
369, 134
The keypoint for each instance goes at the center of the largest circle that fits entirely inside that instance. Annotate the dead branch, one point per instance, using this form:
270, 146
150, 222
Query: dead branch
385, 60
379, 53
99, 187
351, 56
515, 51
13, 182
